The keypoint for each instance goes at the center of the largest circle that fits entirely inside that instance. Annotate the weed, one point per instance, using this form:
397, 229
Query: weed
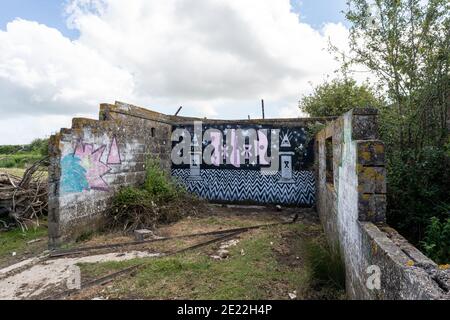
85, 236
16, 241
326, 267
437, 240
159, 200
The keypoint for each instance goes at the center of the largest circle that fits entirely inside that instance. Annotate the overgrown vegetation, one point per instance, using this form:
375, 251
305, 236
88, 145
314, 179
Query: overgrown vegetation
437, 240
14, 244
263, 265
326, 267
159, 200
335, 97
406, 45
20, 156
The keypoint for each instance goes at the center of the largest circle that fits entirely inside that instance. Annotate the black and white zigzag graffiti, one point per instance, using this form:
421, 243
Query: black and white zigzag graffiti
249, 185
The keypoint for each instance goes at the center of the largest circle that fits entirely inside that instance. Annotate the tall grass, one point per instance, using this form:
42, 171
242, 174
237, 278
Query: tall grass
326, 267
18, 160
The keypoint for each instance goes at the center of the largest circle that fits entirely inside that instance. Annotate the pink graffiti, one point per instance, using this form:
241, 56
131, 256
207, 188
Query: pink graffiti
114, 154
216, 141
235, 157
90, 159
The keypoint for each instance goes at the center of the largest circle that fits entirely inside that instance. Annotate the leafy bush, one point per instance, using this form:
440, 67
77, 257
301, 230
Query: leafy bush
133, 208
20, 156
159, 200
8, 163
338, 96
18, 160
417, 190
39, 146
437, 240
10, 149
158, 184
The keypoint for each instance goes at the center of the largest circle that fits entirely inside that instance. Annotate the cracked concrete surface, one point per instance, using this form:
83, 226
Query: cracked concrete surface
39, 277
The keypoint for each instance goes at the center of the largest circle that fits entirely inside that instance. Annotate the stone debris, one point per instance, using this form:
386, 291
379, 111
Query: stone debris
223, 254
230, 243
34, 241
141, 235
293, 295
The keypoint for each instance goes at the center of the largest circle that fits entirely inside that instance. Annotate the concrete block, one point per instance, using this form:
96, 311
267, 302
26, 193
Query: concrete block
371, 153
364, 127
372, 180
372, 207
142, 234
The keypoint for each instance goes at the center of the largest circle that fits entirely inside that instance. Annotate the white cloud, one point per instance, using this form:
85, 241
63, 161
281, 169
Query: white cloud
26, 128
217, 58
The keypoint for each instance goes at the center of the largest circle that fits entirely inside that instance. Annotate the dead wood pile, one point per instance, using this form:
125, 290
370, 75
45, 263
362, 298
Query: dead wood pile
23, 200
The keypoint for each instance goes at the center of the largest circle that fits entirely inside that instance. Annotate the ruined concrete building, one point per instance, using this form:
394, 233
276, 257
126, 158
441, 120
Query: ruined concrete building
340, 171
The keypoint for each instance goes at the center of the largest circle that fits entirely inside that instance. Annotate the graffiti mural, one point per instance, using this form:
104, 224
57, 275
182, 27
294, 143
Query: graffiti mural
114, 154
83, 169
263, 164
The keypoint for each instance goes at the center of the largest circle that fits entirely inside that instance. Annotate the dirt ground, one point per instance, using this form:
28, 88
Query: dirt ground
266, 263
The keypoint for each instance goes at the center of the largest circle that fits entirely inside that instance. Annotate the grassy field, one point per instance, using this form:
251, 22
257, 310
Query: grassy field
14, 171
19, 172
16, 241
266, 264
289, 261
19, 160
21, 156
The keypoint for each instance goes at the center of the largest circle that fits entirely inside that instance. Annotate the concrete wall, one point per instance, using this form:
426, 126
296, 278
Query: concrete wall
90, 161
257, 161
94, 158
352, 207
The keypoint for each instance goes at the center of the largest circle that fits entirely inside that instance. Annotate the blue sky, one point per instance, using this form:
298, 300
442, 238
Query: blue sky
234, 53
51, 12
318, 12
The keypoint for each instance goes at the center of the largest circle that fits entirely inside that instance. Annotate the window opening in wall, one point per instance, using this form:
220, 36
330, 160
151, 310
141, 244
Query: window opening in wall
329, 160
153, 132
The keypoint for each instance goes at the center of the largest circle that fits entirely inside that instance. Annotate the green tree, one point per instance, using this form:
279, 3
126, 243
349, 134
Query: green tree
39, 146
405, 44
333, 98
